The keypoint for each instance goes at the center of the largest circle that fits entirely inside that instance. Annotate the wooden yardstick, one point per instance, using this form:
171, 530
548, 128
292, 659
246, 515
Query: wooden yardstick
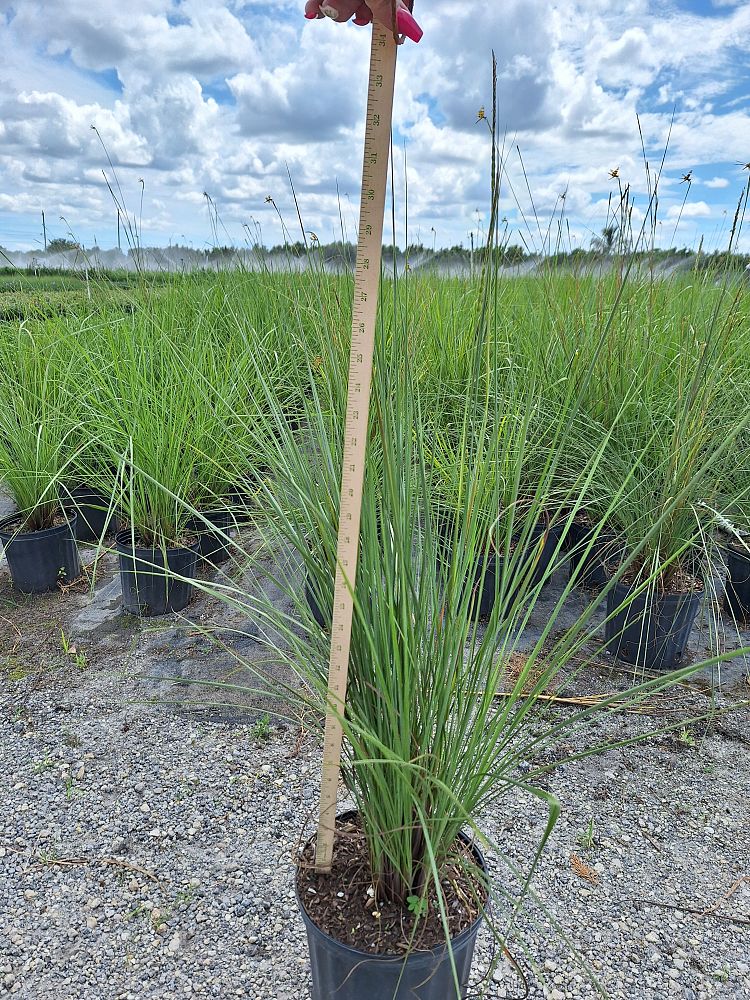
364, 313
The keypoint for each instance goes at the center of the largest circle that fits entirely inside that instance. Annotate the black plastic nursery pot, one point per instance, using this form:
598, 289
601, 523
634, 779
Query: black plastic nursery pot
533, 564
213, 546
653, 630
315, 604
94, 514
240, 503
148, 575
592, 568
737, 591
340, 972
39, 560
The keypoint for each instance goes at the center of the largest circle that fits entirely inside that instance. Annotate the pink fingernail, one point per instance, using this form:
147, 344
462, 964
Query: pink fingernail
407, 25
311, 16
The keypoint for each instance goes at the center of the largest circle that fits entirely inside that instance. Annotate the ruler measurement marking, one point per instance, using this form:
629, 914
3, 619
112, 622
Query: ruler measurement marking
364, 310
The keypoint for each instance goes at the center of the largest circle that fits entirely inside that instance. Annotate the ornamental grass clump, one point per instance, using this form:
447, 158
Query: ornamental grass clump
38, 441
165, 402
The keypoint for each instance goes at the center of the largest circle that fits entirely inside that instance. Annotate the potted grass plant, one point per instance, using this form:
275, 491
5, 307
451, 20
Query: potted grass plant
737, 585
406, 770
158, 555
521, 538
731, 517
681, 446
427, 743
150, 415
35, 451
734, 525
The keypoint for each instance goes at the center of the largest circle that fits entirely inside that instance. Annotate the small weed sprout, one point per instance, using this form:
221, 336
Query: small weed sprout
45, 764
70, 650
587, 838
261, 730
686, 737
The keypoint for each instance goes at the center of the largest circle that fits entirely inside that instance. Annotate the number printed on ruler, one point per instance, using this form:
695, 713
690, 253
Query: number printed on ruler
364, 313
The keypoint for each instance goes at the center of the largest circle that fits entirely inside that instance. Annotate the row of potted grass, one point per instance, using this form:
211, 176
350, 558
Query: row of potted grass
170, 394
451, 510
117, 421
462, 473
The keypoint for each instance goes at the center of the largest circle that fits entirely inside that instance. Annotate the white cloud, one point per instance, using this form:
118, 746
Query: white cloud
54, 127
691, 210
717, 182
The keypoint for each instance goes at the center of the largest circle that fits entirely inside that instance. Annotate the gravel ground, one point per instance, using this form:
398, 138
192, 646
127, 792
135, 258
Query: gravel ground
148, 855
146, 849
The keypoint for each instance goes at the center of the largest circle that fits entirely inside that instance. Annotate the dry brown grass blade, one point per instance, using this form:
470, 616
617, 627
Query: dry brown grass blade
72, 862
584, 871
591, 701
15, 628
727, 895
516, 665
744, 921
79, 586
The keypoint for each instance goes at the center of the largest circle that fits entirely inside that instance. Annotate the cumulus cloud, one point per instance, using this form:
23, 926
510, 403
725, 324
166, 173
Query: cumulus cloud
691, 210
717, 182
143, 36
54, 127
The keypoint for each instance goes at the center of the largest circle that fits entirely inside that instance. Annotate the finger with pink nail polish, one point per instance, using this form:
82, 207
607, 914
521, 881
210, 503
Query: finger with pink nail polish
364, 13
406, 25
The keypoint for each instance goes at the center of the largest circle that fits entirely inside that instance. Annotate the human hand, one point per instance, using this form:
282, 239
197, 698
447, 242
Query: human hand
379, 10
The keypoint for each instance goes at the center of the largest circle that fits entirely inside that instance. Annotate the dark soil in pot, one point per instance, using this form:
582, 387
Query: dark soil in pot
653, 630
737, 592
39, 560
355, 955
148, 574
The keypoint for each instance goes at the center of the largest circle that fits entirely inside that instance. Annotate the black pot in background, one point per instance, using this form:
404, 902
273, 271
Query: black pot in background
95, 515
653, 630
314, 604
484, 595
213, 547
737, 592
38, 560
146, 575
340, 972
318, 603
241, 504
243, 500
593, 567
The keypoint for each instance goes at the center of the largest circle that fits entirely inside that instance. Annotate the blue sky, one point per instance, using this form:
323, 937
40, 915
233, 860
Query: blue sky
223, 96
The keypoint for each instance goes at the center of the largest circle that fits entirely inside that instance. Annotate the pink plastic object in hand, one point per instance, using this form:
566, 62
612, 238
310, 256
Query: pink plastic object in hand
363, 13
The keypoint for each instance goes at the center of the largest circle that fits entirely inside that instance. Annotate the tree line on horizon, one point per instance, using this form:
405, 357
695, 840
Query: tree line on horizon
344, 253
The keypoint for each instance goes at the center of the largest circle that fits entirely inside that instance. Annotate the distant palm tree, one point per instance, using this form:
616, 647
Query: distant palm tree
606, 242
